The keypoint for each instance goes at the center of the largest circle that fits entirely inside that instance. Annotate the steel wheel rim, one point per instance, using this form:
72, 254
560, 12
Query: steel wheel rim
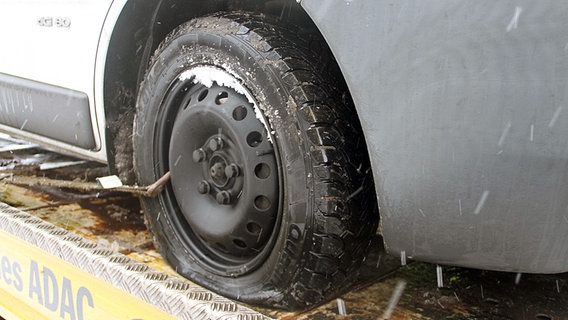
225, 192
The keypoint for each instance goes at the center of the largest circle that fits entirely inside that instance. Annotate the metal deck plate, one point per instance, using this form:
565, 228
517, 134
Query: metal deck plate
57, 274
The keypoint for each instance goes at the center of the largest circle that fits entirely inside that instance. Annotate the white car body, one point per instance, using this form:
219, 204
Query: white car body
37, 28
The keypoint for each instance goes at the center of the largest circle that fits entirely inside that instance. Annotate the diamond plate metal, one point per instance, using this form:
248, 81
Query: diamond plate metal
173, 295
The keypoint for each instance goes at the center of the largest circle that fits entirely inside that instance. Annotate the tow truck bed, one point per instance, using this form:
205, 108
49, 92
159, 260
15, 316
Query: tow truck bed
49, 272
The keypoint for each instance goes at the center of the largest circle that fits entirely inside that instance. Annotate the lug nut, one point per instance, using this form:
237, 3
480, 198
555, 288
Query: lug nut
232, 170
203, 187
223, 197
199, 155
216, 144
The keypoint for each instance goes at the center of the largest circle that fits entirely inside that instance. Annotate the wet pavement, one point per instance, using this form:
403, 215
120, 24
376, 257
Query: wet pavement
385, 289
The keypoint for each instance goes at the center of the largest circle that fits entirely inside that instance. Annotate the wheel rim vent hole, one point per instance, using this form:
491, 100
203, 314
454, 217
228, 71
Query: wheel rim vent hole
254, 228
221, 98
239, 113
187, 104
239, 243
262, 171
203, 95
254, 139
262, 203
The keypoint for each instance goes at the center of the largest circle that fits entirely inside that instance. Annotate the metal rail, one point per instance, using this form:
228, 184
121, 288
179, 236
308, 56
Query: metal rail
147, 191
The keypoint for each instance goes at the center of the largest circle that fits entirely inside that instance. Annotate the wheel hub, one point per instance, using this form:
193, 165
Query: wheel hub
218, 166
224, 174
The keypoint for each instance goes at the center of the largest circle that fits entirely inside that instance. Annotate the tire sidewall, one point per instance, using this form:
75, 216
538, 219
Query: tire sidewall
192, 45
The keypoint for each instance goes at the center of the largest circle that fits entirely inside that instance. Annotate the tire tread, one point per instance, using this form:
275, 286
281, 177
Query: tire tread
338, 168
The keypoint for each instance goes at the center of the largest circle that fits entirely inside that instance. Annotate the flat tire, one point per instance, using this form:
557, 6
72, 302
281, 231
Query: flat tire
271, 199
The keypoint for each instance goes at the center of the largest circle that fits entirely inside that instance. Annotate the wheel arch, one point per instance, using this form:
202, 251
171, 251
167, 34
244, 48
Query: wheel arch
139, 29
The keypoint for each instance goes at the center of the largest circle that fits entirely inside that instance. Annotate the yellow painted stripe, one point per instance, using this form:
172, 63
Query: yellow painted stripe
12, 308
37, 285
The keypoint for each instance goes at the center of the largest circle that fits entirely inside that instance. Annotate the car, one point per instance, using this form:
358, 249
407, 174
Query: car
291, 130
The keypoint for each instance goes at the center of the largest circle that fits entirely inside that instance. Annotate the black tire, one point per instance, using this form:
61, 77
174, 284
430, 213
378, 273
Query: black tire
310, 206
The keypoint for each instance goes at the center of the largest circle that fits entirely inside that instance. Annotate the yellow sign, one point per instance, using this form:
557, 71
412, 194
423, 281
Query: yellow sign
37, 285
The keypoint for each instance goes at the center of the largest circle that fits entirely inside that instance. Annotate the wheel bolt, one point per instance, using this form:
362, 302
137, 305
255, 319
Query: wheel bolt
223, 197
199, 155
203, 187
216, 144
232, 170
